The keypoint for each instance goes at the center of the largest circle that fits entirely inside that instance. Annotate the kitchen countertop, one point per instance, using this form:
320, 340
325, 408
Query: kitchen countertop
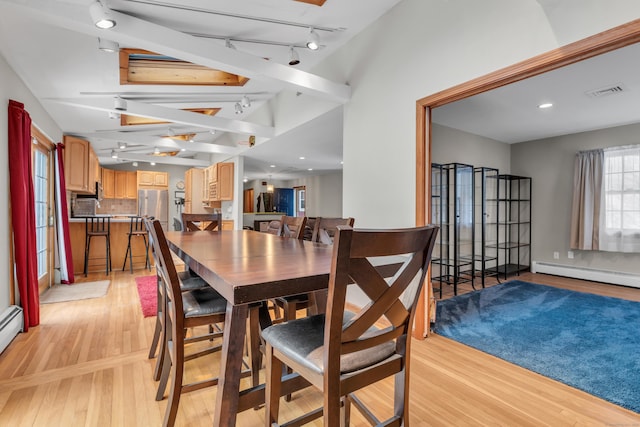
114, 218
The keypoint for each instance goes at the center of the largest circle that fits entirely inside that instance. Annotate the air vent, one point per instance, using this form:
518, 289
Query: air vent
606, 91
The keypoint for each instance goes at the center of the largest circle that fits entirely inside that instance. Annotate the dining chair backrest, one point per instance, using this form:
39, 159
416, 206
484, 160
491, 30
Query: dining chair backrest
325, 228
273, 227
292, 226
165, 267
193, 222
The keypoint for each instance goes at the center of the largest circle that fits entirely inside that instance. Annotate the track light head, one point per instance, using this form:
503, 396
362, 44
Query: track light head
122, 145
113, 115
119, 104
156, 150
114, 154
134, 164
108, 46
313, 41
245, 102
238, 108
100, 16
171, 132
294, 59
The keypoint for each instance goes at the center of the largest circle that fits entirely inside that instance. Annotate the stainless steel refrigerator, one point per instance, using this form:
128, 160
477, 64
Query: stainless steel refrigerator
154, 203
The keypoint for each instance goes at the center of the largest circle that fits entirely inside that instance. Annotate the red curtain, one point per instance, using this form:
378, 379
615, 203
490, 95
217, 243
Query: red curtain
62, 219
23, 212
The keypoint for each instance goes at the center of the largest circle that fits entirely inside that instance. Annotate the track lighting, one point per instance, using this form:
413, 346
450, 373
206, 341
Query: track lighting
152, 163
313, 42
245, 102
156, 150
119, 104
114, 115
135, 164
212, 131
108, 46
238, 108
294, 59
114, 154
122, 145
227, 43
100, 16
171, 132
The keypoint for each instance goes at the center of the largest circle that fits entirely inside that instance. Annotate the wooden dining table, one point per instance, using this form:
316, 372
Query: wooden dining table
248, 267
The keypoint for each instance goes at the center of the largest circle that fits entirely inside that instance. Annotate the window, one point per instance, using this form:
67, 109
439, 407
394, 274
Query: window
620, 222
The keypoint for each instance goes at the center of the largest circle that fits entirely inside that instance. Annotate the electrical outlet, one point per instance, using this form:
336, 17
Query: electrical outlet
556, 255
570, 254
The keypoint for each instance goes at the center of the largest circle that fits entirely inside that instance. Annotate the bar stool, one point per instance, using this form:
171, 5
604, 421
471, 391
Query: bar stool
97, 226
136, 229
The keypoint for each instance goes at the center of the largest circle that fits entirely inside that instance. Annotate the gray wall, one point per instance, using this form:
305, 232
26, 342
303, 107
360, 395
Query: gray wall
455, 146
549, 162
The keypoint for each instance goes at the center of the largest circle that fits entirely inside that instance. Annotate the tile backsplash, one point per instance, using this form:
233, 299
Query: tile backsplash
118, 207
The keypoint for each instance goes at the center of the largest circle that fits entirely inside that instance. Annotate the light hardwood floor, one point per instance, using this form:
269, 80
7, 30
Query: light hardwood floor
86, 365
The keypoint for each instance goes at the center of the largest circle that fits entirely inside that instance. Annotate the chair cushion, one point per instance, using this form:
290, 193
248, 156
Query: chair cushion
302, 340
188, 283
203, 302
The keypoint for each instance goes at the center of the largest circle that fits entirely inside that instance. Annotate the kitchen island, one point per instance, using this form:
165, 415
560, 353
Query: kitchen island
119, 241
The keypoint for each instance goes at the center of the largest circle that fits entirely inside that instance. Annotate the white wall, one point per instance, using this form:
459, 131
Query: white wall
419, 48
11, 87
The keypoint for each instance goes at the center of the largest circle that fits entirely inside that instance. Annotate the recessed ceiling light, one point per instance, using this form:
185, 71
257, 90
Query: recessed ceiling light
183, 149
152, 163
545, 105
272, 166
135, 164
310, 169
301, 157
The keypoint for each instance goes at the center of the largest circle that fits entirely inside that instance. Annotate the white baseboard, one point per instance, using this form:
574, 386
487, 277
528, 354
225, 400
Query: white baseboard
10, 325
584, 273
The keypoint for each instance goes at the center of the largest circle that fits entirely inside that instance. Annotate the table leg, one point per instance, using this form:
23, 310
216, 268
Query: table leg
230, 365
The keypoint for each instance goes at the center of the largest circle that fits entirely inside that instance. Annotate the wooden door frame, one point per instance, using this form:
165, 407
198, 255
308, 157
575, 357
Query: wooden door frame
606, 41
46, 145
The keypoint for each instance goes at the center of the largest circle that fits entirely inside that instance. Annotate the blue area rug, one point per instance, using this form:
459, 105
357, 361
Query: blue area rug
587, 341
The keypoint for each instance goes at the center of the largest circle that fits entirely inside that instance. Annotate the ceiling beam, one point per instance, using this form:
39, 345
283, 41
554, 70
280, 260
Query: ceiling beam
167, 160
143, 34
174, 115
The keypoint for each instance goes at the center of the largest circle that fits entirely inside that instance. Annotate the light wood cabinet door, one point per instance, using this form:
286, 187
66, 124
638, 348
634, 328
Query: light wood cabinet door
225, 181
161, 179
94, 170
131, 191
108, 183
120, 184
76, 164
227, 224
145, 178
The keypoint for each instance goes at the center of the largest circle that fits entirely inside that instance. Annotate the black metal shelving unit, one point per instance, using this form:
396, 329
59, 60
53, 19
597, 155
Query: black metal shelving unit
486, 218
514, 226
452, 209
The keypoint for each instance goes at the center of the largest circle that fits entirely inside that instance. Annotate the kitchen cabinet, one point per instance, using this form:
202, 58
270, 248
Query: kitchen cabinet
220, 183
153, 179
125, 184
227, 224
108, 183
81, 166
193, 183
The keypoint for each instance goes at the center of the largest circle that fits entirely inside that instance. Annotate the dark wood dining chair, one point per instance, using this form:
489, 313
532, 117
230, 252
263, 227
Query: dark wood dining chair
193, 222
292, 226
185, 310
324, 228
340, 352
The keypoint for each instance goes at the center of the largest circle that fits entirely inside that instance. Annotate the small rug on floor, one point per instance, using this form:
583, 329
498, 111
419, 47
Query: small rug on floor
75, 292
148, 293
587, 341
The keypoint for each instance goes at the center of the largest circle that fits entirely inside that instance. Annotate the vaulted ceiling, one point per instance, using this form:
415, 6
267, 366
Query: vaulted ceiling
53, 46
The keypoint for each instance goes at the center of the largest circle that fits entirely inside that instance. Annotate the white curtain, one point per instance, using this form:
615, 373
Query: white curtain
620, 218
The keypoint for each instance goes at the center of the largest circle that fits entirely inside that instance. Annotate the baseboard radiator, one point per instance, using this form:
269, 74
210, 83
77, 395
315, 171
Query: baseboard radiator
585, 273
11, 323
